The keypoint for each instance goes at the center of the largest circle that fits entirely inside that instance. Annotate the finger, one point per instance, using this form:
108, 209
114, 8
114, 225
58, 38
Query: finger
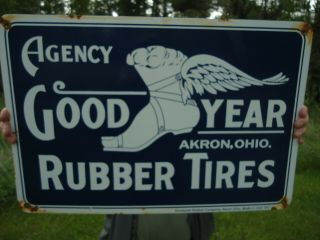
300, 123
8, 135
304, 113
4, 115
299, 132
12, 139
6, 129
303, 118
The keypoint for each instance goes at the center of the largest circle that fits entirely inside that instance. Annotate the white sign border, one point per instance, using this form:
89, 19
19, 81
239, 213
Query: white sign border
144, 22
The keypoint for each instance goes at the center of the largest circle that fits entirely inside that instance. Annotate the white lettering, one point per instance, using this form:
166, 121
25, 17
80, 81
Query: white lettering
63, 53
231, 112
163, 173
244, 172
140, 175
276, 114
52, 57
224, 175
66, 53
266, 173
237, 116
100, 112
75, 113
254, 115
29, 115
106, 54
30, 68
121, 176
99, 176
211, 110
93, 113
53, 174
81, 176
80, 53
195, 167
124, 110
90, 54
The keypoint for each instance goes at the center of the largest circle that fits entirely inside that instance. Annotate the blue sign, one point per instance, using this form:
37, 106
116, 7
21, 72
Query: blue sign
153, 115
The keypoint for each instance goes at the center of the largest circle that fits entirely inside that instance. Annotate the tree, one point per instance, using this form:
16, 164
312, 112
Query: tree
80, 7
21, 7
286, 9
15, 7
156, 10
53, 7
132, 8
243, 9
313, 90
190, 8
266, 9
161, 8
105, 7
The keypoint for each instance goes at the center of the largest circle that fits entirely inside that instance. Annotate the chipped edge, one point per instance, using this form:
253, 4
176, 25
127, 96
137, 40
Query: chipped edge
306, 29
283, 204
74, 16
29, 208
5, 21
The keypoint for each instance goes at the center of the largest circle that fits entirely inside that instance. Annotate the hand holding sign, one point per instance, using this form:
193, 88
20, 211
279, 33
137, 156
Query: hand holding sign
300, 125
5, 127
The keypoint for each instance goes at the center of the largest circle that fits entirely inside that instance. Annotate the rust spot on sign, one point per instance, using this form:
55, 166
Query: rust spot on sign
306, 29
29, 208
74, 16
224, 18
283, 204
5, 22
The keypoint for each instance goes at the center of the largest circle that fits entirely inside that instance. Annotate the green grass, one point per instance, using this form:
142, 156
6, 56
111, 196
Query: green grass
300, 221
6, 169
16, 225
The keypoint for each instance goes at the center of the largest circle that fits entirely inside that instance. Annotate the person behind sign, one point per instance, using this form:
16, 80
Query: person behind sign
158, 227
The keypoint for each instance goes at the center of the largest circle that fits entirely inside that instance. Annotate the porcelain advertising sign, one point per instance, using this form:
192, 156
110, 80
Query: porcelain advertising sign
153, 115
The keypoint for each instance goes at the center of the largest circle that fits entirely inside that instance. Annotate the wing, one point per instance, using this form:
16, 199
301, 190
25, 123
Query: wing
206, 73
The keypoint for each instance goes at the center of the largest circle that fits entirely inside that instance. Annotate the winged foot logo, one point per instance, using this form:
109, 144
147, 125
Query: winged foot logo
172, 80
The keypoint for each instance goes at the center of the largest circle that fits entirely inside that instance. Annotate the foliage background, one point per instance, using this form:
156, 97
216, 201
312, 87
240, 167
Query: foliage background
302, 218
